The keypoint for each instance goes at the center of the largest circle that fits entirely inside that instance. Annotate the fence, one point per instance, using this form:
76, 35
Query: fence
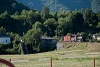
57, 62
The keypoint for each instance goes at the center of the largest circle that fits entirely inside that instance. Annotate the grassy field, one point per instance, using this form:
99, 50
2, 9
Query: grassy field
72, 55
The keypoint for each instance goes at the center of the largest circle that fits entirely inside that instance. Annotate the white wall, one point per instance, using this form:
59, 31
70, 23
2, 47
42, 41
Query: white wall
98, 38
5, 40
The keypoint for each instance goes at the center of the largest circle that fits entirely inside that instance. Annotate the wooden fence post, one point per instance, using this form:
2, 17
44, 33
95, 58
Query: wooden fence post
10, 60
93, 62
50, 62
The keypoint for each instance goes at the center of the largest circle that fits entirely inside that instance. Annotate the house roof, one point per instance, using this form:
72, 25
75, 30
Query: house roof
46, 37
97, 35
4, 35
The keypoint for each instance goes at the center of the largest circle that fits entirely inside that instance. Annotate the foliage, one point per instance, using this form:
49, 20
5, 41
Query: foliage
50, 24
45, 12
2, 30
32, 39
34, 24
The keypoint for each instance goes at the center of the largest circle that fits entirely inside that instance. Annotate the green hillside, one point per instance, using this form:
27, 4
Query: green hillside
11, 6
18, 20
95, 6
57, 5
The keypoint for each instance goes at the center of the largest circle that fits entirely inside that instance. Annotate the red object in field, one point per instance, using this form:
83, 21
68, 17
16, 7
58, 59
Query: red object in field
67, 38
5, 62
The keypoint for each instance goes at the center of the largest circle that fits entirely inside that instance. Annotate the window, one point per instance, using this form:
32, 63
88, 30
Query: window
6, 40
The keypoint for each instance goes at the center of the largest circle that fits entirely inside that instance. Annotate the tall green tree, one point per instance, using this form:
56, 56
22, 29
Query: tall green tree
37, 25
32, 40
91, 21
64, 26
45, 13
78, 22
50, 25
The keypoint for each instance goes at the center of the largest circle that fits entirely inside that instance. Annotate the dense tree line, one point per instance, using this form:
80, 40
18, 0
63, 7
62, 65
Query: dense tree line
32, 24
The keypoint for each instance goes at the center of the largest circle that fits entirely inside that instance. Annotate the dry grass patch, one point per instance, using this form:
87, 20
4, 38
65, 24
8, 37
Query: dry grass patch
93, 47
72, 56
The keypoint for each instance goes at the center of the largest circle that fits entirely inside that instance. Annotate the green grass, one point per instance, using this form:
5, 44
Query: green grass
93, 47
74, 56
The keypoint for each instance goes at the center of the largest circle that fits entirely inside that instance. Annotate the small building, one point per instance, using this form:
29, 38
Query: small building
67, 38
73, 38
96, 37
48, 43
79, 38
5, 39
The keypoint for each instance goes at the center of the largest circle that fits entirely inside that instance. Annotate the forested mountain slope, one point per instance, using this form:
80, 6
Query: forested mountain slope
95, 6
57, 5
11, 6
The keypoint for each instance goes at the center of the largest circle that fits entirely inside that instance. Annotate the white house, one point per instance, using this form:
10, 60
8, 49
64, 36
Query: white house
5, 39
96, 37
